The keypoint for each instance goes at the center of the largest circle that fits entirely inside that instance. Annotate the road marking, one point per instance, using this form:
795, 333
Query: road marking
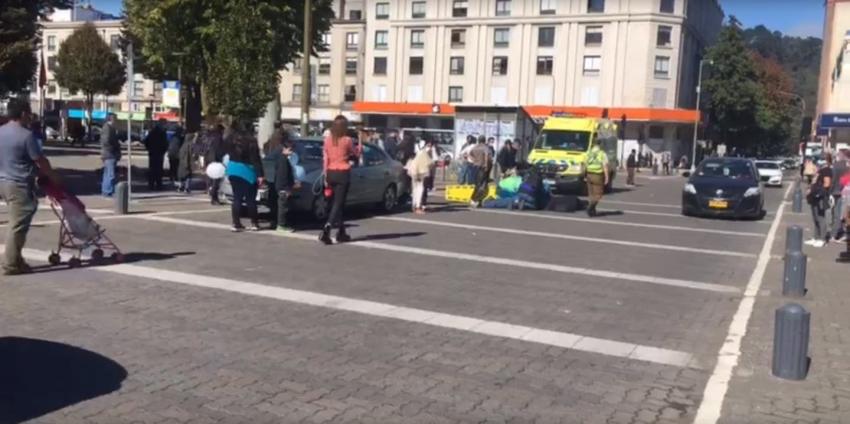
627, 212
621, 223
419, 316
129, 216
727, 358
655, 205
571, 237
712, 287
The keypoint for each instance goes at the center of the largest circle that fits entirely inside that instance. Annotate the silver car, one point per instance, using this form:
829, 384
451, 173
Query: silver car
377, 180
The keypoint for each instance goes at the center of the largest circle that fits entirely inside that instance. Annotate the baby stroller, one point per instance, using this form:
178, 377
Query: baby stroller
77, 231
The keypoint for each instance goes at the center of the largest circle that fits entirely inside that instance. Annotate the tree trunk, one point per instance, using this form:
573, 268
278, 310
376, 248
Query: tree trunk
90, 112
193, 108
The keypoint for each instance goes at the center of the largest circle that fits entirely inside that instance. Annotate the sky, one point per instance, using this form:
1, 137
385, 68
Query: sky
792, 17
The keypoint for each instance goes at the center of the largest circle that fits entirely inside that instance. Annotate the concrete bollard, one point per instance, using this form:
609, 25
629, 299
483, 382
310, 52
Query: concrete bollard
797, 205
791, 342
794, 279
794, 239
122, 200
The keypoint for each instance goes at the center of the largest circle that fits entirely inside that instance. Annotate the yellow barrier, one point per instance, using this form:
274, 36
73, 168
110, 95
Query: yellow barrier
463, 193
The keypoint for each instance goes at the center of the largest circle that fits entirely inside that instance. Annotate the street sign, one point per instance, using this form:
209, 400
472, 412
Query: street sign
171, 94
834, 120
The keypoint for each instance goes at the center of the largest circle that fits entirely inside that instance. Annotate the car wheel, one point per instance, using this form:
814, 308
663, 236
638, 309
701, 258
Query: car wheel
320, 208
389, 200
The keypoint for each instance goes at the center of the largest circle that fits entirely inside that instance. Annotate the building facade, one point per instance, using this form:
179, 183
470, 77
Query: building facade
833, 109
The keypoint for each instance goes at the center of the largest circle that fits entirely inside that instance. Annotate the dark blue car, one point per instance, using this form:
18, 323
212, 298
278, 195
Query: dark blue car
724, 187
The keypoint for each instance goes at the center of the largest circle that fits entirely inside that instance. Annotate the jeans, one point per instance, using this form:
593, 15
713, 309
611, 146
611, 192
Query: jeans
630, 176
279, 206
22, 207
482, 185
837, 229
155, 170
462, 175
243, 192
339, 181
214, 187
820, 231
107, 186
173, 163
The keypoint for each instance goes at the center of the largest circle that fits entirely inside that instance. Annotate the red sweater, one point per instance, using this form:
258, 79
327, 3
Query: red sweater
337, 158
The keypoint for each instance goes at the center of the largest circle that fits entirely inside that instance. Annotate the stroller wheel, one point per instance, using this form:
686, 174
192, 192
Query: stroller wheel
74, 262
97, 254
117, 258
54, 259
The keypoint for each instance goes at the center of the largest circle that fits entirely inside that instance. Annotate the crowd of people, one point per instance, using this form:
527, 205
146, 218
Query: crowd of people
828, 196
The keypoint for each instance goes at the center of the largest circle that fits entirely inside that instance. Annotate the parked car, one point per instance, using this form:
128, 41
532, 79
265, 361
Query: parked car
727, 187
377, 180
770, 172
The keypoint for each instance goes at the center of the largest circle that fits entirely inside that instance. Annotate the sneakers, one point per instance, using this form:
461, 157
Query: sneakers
254, 228
342, 237
237, 229
285, 229
810, 242
819, 243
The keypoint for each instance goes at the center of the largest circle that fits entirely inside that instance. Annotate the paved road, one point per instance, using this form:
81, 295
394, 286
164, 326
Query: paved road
457, 316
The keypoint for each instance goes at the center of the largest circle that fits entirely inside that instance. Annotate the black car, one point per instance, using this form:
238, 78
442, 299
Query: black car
727, 187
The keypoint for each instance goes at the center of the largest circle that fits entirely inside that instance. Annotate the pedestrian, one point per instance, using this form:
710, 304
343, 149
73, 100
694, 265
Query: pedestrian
840, 168
156, 143
216, 149
683, 162
273, 152
245, 173
430, 148
186, 163
810, 169
339, 153
419, 168
391, 143
284, 186
174, 144
21, 158
110, 153
507, 159
818, 198
654, 166
631, 167
481, 159
665, 162
466, 166
597, 177
491, 144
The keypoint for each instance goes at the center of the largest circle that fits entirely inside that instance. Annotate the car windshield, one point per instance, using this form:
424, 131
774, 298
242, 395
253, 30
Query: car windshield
309, 151
573, 141
732, 170
767, 165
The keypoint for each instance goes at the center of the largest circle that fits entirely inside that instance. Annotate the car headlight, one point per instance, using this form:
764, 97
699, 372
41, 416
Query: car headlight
752, 191
689, 188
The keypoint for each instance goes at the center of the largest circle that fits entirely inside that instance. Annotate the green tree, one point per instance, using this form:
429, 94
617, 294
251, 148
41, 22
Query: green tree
776, 114
86, 64
264, 35
19, 39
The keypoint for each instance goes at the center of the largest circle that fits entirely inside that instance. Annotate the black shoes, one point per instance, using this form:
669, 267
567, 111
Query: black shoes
325, 236
342, 236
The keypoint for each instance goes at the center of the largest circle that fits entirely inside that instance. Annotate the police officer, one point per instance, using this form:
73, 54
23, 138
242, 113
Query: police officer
597, 177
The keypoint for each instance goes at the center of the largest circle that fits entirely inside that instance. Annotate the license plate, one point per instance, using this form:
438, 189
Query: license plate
549, 181
718, 204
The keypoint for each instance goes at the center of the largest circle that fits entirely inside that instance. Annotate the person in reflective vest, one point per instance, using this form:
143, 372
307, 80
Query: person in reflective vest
597, 177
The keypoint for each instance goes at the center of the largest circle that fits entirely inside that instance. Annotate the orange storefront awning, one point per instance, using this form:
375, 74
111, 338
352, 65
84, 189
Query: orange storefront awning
391, 108
632, 114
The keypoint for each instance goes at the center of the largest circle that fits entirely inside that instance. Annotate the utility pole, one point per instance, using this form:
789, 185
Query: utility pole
130, 88
699, 116
305, 68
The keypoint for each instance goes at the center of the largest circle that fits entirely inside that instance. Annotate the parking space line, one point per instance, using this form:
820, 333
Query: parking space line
114, 217
727, 358
627, 224
655, 205
670, 215
570, 237
570, 341
697, 285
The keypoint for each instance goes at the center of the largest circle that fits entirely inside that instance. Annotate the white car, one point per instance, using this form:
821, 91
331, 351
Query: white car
770, 172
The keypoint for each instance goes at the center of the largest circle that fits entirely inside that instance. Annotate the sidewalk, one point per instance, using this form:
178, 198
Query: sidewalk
755, 395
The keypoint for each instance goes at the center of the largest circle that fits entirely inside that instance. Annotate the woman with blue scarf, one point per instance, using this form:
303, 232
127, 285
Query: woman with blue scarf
245, 173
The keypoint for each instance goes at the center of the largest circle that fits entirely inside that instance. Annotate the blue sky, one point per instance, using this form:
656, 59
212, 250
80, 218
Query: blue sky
794, 17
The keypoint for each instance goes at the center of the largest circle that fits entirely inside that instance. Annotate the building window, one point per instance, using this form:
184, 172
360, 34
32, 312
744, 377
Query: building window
501, 37
500, 65
662, 66
459, 8
324, 68
546, 37
326, 39
51, 63
547, 7
350, 93
157, 90
665, 36
455, 94
381, 40
503, 7
352, 40
138, 88
595, 6
115, 42
656, 132
418, 8
351, 66
51, 87
323, 93
417, 39
416, 65
592, 65
296, 92
458, 37
380, 66
593, 36
456, 65
668, 6
382, 11
544, 65
51, 43
355, 15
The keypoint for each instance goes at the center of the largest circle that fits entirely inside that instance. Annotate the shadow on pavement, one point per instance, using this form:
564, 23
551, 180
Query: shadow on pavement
129, 258
39, 377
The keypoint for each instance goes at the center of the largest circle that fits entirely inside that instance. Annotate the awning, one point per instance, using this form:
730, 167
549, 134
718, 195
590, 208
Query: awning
390, 108
687, 116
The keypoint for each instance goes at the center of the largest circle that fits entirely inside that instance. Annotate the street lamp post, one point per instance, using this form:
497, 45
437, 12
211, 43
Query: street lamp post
305, 68
699, 116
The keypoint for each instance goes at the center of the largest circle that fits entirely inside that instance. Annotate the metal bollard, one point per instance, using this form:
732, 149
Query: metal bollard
794, 280
797, 205
794, 239
122, 201
791, 342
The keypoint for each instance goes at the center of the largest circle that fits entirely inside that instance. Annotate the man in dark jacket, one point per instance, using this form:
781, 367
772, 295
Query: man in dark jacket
631, 166
110, 153
507, 159
284, 184
174, 144
156, 143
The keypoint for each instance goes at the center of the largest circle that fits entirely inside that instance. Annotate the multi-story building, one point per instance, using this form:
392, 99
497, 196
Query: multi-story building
833, 109
417, 61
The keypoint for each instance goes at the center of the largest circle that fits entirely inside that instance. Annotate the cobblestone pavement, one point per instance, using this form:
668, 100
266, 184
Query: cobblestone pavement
432, 319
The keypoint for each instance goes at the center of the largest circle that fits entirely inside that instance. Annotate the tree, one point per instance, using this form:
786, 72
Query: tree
19, 39
85, 63
776, 115
264, 35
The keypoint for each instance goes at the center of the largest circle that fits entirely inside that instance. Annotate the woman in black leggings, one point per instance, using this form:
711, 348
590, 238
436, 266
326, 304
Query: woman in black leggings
339, 153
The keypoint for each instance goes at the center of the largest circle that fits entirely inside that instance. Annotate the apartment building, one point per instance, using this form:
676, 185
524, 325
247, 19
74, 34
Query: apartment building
833, 109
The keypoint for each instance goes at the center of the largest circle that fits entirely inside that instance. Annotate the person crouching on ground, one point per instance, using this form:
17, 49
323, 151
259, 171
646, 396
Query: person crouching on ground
419, 168
339, 152
245, 173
